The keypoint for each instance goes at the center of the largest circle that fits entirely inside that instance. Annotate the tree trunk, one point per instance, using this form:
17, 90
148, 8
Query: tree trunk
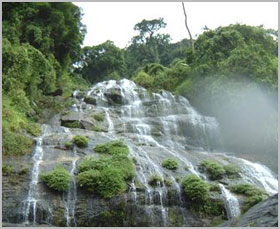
186, 23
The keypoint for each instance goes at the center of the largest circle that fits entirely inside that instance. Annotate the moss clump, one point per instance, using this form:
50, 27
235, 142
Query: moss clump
214, 188
253, 194
80, 141
196, 189
112, 148
98, 129
107, 175
231, 169
168, 182
68, 145
7, 170
58, 179
73, 124
155, 180
98, 117
215, 170
170, 164
33, 128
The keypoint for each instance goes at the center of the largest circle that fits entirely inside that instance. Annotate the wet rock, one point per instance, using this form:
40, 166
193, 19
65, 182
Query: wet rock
114, 96
90, 100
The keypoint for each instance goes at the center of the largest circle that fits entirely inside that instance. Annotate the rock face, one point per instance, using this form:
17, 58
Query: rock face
155, 126
264, 214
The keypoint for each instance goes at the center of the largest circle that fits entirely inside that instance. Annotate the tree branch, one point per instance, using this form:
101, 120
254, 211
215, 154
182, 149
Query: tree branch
186, 23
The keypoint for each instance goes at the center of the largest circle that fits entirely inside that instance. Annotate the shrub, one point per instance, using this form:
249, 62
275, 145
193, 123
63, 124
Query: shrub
7, 170
214, 187
98, 129
98, 117
155, 180
170, 164
111, 182
89, 179
167, 182
246, 189
68, 145
112, 148
73, 124
253, 194
231, 169
33, 128
214, 169
196, 189
80, 141
58, 179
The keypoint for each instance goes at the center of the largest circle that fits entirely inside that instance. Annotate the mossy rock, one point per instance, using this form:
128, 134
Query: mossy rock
112, 148
215, 170
80, 141
170, 164
155, 180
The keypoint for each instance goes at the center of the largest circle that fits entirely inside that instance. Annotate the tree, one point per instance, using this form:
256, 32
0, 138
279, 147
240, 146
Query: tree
101, 62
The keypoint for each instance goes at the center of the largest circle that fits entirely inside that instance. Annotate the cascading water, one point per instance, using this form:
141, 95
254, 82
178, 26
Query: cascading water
71, 195
155, 126
30, 204
231, 203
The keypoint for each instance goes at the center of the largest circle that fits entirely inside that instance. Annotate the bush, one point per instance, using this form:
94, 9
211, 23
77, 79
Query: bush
196, 189
111, 182
98, 117
253, 194
231, 169
246, 189
170, 164
106, 175
68, 145
155, 180
73, 124
58, 179
80, 141
112, 148
167, 182
7, 170
215, 170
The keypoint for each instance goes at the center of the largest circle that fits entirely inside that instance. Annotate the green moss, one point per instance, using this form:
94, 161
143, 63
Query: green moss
253, 194
58, 179
215, 170
106, 175
98, 117
98, 129
214, 188
175, 218
168, 182
23, 171
170, 164
231, 169
155, 180
68, 145
33, 128
112, 148
216, 221
196, 189
72, 124
80, 141
7, 170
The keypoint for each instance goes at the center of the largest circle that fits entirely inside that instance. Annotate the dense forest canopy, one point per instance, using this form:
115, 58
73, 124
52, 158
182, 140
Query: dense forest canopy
232, 74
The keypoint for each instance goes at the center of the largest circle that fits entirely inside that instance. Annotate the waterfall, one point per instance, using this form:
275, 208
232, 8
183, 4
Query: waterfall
231, 203
30, 203
71, 195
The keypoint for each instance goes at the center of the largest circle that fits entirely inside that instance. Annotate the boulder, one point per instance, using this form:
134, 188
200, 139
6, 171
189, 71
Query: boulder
114, 96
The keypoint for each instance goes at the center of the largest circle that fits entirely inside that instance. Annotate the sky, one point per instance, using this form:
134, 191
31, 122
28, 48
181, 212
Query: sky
115, 20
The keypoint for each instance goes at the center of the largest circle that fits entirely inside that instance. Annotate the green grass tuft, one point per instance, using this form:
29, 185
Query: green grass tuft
170, 164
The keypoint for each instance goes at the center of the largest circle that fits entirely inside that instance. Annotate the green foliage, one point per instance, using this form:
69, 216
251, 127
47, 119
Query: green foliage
7, 170
101, 62
155, 180
170, 163
106, 175
98, 129
167, 182
215, 170
58, 179
214, 188
80, 141
196, 189
73, 124
253, 194
144, 80
112, 148
231, 169
68, 145
98, 117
